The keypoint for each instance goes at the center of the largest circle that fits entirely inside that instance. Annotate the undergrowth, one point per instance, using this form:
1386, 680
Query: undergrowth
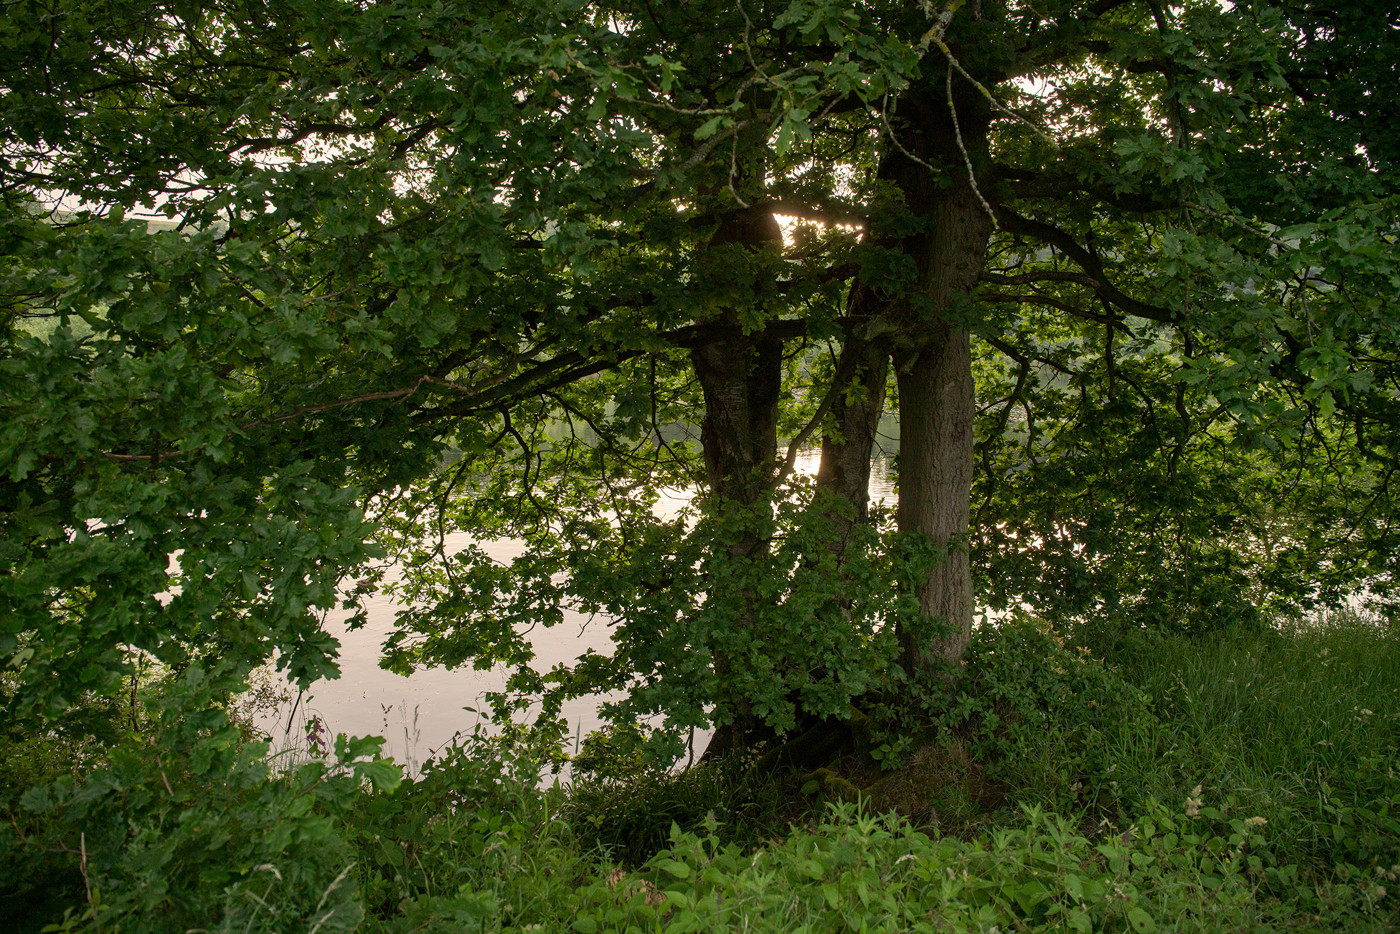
1238, 782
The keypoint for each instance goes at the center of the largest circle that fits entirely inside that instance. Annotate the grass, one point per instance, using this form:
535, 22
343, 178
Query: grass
1239, 782
1300, 727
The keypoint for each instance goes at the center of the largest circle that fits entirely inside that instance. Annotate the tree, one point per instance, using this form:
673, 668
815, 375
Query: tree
408, 241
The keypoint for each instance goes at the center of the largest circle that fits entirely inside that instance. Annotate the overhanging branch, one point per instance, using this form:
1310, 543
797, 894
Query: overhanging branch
1086, 260
1034, 298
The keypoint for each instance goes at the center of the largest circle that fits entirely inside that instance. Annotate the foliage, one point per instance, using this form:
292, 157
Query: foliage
1113, 511
629, 819
413, 269
1039, 714
185, 826
655, 579
288, 286
465, 845
1208, 814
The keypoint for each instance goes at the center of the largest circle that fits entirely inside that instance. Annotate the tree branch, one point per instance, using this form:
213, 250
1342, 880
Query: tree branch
1033, 298
1085, 260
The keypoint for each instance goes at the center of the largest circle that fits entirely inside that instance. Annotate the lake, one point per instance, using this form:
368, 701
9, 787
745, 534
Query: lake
424, 711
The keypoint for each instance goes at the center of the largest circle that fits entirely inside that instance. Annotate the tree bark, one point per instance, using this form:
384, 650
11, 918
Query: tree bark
862, 370
933, 361
741, 379
936, 408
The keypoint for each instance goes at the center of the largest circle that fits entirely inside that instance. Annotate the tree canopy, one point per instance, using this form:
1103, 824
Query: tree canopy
290, 286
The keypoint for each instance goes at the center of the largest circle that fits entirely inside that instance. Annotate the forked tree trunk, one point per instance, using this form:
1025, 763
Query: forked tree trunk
933, 365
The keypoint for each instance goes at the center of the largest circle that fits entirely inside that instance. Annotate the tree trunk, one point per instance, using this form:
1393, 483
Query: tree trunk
741, 378
861, 373
935, 481
933, 362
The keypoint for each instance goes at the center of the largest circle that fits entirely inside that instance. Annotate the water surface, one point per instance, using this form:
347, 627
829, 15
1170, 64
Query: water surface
422, 712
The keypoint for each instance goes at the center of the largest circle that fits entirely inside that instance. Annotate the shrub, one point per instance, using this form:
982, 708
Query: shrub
1045, 718
185, 827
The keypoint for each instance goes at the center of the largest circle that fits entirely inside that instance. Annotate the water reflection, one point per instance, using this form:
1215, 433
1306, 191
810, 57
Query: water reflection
422, 712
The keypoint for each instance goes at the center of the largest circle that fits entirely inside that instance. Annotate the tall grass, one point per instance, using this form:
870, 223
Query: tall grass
1300, 726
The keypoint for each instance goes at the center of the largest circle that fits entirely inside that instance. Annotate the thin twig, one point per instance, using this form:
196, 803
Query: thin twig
1242, 225
388, 394
160, 766
894, 137
734, 171
996, 104
790, 461
87, 882
934, 36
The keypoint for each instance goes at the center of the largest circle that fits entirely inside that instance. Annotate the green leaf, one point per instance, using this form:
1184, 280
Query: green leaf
712, 126
675, 868
382, 774
1141, 921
